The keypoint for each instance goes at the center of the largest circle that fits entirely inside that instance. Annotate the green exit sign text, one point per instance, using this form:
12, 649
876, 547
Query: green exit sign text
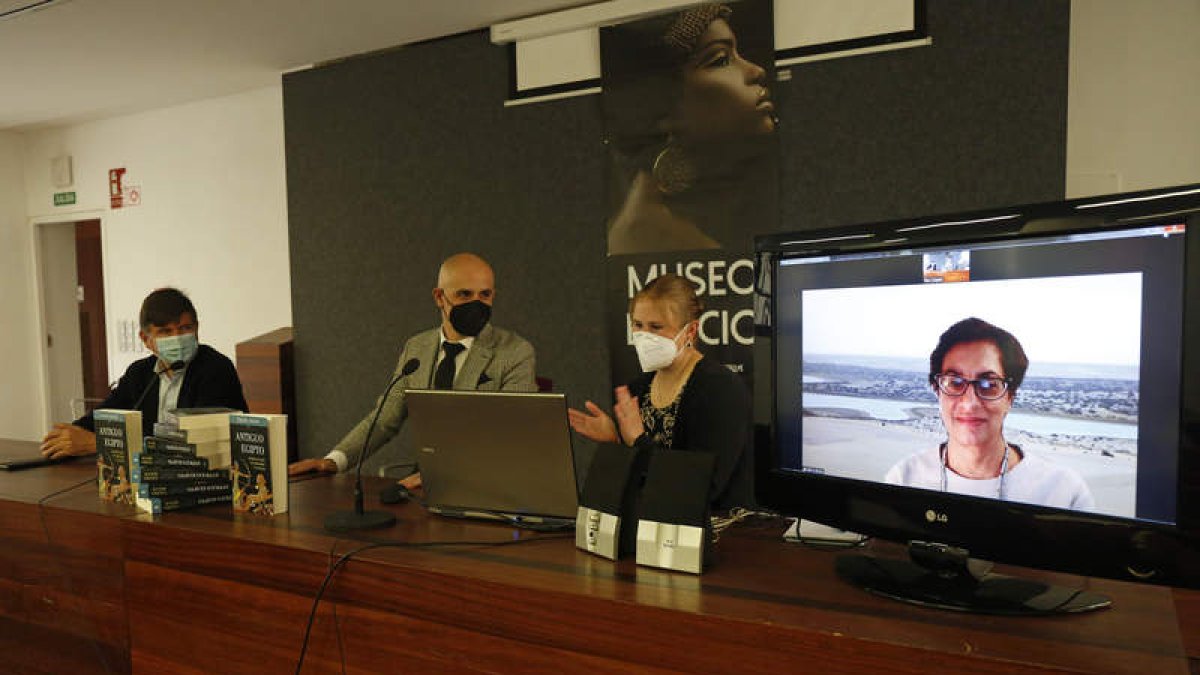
64, 198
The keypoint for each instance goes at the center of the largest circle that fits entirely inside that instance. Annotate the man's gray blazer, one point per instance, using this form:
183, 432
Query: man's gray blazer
498, 360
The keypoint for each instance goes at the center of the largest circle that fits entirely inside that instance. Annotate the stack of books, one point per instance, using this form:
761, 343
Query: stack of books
170, 473
208, 431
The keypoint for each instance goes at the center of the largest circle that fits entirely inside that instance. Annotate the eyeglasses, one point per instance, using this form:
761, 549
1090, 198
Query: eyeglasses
987, 388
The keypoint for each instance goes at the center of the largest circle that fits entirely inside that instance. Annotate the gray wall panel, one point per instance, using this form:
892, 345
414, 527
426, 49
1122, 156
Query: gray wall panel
397, 159
976, 120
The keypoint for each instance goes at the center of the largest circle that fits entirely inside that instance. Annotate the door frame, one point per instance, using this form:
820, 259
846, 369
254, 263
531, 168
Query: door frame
35, 225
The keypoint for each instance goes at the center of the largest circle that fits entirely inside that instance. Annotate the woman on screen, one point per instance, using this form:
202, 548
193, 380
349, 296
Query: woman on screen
975, 371
688, 116
683, 401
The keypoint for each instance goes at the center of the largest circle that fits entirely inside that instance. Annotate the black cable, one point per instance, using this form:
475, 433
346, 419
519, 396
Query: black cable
312, 615
826, 545
1071, 598
822, 544
41, 504
337, 624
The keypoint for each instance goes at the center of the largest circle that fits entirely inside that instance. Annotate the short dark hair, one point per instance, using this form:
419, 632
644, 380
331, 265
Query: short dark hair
1012, 355
164, 306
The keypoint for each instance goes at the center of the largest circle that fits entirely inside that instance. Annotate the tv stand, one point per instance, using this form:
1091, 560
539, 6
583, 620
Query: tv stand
946, 577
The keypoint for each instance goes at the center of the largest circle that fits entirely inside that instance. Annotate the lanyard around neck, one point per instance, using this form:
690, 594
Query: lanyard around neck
944, 453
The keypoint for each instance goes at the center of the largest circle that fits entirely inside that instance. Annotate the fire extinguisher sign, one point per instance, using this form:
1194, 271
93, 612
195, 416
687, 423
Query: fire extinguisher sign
116, 194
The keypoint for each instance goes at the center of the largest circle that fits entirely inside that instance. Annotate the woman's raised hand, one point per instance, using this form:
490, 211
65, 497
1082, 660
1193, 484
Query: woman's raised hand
594, 424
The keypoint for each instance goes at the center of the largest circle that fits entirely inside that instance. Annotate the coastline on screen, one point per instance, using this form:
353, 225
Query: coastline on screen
867, 403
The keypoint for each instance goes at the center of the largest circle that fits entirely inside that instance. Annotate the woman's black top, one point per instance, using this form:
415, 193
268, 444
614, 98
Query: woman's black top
712, 414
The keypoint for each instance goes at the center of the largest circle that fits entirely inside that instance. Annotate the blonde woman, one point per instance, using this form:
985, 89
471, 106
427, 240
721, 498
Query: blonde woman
682, 400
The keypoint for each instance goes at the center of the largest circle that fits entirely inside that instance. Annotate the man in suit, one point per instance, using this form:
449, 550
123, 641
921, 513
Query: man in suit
180, 373
464, 352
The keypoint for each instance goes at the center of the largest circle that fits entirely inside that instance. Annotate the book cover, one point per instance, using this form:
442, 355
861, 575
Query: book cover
158, 462
118, 440
176, 474
157, 505
168, 431
148, 460
176, 488
157, 444
258, 463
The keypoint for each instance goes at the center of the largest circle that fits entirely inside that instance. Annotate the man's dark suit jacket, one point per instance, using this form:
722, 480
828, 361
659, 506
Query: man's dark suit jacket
210, 380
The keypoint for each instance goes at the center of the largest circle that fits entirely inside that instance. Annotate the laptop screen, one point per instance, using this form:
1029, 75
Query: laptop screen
501, 453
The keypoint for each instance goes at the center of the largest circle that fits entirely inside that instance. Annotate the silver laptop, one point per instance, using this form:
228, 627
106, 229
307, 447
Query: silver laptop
495, 455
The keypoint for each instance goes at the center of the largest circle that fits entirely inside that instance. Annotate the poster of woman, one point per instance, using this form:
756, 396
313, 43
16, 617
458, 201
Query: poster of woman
690, 122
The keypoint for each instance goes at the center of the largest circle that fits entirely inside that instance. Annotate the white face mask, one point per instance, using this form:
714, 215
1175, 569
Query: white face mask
176, 348
655, 352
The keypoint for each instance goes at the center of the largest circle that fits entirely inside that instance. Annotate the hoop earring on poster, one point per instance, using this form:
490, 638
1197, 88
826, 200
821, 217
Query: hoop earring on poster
673, 170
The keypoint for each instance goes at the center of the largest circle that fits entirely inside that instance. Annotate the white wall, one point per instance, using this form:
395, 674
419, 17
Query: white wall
21, 388
213, 218
1133, 119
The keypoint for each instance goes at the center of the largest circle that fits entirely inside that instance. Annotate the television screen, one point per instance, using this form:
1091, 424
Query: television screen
1089, 312
1003, 381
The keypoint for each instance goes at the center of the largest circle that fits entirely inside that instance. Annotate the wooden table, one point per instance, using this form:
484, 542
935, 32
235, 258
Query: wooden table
93, 587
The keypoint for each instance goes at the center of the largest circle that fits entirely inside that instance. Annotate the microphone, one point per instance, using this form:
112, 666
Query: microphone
357, 519
154, 373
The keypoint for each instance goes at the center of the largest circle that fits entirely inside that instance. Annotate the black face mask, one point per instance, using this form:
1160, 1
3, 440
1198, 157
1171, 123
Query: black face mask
469, 318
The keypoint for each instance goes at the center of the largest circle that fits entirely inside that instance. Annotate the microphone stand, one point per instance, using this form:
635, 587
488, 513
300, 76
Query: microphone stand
154, 373
358, 519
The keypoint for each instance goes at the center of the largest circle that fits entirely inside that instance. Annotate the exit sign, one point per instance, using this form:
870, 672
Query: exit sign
64, 198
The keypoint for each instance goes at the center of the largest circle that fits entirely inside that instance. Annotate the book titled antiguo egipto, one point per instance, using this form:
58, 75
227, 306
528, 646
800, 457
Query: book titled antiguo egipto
258, 463
118, 438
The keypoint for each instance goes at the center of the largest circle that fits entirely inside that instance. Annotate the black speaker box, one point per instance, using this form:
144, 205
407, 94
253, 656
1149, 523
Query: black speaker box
606, 523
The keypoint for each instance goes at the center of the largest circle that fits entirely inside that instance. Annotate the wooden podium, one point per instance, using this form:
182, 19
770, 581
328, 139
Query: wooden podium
266, 366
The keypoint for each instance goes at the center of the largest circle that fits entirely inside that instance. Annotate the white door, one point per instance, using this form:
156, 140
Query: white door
61, 309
